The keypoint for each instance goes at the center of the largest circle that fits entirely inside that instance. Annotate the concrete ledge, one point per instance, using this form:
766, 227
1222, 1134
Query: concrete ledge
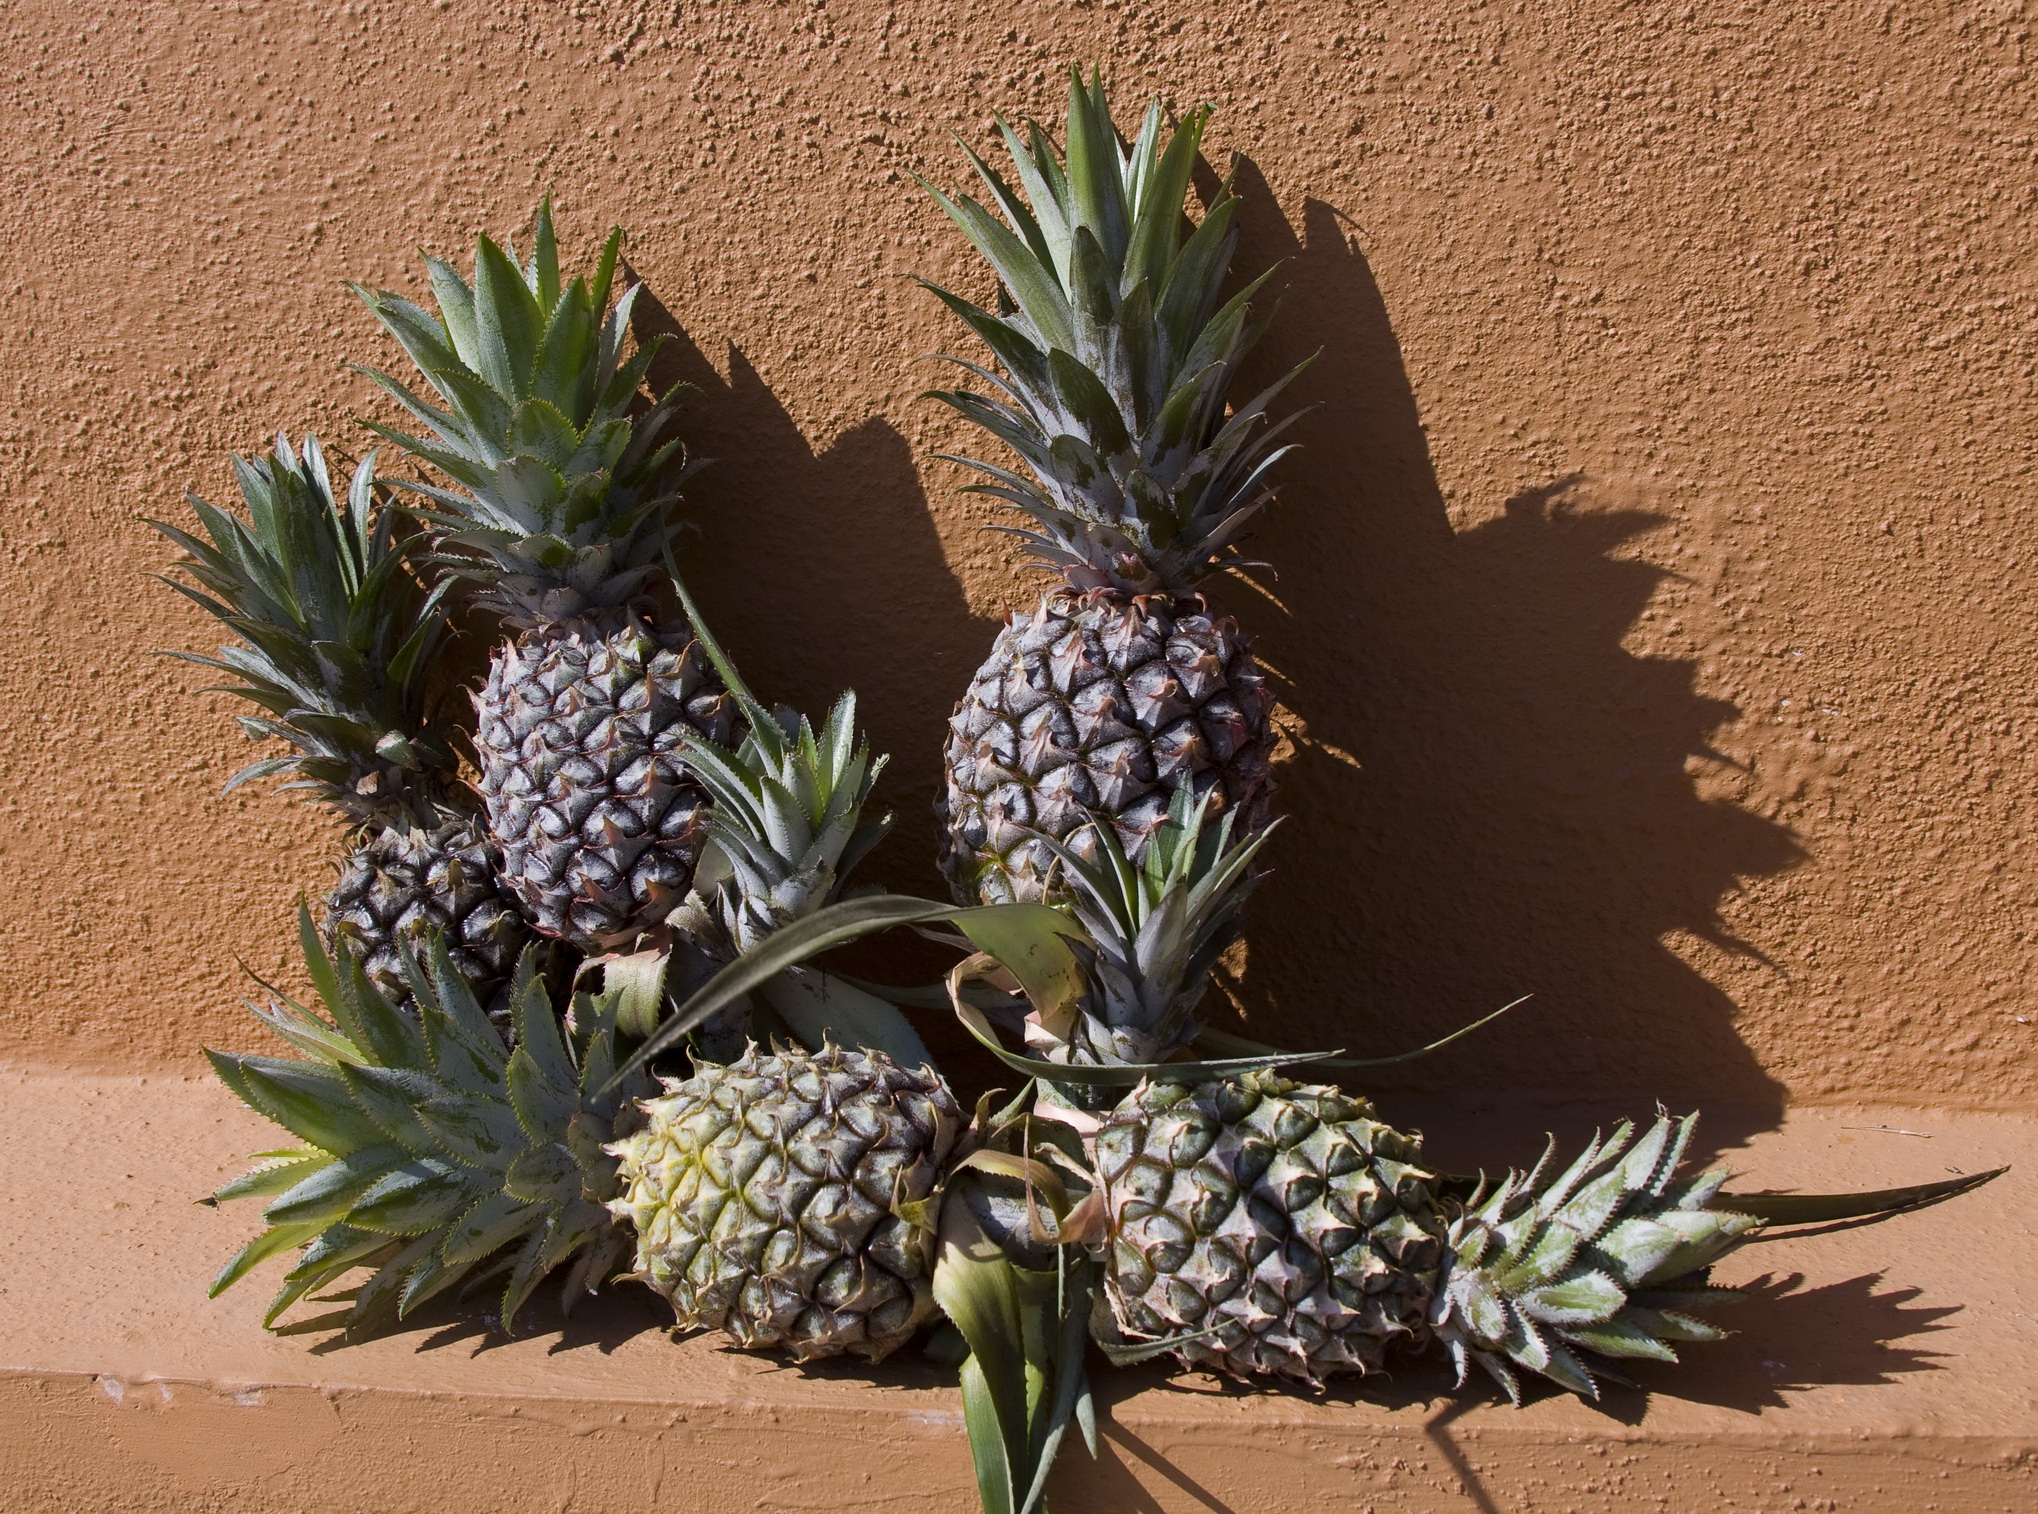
1892, 1367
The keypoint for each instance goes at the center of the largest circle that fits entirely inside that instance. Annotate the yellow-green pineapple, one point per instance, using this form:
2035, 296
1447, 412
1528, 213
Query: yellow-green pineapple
786, 1198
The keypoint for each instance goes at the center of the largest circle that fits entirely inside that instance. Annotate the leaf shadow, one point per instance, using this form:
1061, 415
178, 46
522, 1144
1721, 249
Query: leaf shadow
819, 568
601, 1322
1792, 1339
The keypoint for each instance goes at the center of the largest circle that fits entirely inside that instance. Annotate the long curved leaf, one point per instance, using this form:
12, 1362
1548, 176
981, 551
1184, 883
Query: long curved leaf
1825, 1208
1124, 1074
1225, 1041
1032, 932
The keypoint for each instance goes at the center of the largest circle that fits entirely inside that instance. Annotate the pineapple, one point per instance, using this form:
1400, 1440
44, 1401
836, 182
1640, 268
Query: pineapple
336, 639
411, 879
1267, 1228
788, 1198
559, 508
430, 1152
1118, 357
1276, 1229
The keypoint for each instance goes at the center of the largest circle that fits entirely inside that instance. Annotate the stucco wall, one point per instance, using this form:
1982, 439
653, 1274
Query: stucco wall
1653, 590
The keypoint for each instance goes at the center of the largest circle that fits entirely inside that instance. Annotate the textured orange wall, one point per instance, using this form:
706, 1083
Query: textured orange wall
1653, 591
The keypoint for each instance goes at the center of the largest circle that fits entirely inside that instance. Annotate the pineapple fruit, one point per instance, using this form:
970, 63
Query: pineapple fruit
1140, 471
787, 1198
335, 640
1268, 1228
411, 879
558, 506
1277, 1229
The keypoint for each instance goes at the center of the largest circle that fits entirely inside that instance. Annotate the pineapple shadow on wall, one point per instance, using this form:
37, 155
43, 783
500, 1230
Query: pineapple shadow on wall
1521, 820
821, 571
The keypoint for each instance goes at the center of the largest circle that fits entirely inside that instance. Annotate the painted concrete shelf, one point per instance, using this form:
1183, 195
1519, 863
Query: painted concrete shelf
1900, 1371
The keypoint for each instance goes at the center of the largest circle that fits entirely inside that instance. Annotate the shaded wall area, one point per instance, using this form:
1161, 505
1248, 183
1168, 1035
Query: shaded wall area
1649, 597
1497, 782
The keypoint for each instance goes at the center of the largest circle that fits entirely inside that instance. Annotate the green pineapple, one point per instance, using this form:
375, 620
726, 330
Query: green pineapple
335, 644
788, 1198
1266, 1227
560, 510
1277, 1229
1140, 470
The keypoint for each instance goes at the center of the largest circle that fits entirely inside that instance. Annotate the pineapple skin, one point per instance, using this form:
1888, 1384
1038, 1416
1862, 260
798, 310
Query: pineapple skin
578, 731
1099, 706
785, 1198
1287, 1216
403, 883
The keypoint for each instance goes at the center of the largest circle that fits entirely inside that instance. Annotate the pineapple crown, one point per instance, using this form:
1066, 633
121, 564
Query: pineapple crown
1157, 928
1608, 1257
787, 827
335, 634
1117, 354
564, 497
430, 1152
